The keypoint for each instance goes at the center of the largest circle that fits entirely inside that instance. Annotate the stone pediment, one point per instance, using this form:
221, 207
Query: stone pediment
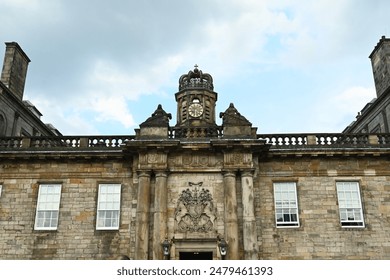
159, 118
236, 125
232, 117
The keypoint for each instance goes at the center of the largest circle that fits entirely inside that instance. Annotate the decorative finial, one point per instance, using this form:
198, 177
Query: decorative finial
196, 66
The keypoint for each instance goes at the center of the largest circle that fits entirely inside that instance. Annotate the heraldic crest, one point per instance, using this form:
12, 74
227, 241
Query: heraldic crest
195, 210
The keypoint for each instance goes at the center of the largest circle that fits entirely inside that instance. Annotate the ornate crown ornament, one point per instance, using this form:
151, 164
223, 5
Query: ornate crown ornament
196, 79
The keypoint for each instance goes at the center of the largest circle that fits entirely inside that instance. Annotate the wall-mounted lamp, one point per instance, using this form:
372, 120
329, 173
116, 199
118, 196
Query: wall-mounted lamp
222, 244
166, 245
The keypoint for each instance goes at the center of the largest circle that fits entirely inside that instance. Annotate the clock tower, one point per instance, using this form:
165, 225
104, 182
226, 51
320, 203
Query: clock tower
196, 105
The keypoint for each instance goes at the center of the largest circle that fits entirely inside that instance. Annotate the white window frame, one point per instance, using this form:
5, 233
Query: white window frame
350, 204
286, 205
108, 207
48, 207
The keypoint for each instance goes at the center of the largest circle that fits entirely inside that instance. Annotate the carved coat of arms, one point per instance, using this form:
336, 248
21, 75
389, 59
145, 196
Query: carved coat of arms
195, 210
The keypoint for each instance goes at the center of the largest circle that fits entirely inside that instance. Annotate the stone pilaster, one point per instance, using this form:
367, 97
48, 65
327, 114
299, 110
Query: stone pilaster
249, 221
160, 214
142, 225
231, 220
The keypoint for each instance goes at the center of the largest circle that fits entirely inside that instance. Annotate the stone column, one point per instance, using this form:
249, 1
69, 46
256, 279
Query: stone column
15, 124
231, 221
142, 219
249, 221
160, 214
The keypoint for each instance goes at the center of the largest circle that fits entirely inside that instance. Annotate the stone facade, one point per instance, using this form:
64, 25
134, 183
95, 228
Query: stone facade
243, 214
195, 190
320, 235
76, 237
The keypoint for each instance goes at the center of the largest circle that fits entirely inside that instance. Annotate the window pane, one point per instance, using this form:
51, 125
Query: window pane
343, 214
294, 218
349, 204
286, 205
48, 204
108, 206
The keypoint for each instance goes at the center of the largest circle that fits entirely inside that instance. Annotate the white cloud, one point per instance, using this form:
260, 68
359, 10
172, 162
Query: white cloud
336, 112
67, 119
353, 99
110, 87
30, 12
108, 78
74, 124
112, 109
95, 59
28, 4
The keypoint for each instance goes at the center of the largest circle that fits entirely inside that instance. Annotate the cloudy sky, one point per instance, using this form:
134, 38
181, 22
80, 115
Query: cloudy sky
102, 67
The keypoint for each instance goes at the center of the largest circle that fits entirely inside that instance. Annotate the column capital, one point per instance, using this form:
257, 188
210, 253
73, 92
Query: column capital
144, 173
247, 172
229, 172
161, 172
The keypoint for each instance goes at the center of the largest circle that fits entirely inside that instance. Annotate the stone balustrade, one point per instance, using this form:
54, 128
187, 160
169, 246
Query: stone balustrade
323, 140
319, 140
71, 142
195, 132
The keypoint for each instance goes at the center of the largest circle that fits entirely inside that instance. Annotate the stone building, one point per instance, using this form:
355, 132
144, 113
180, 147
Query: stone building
375, 116
196, 190
18, 117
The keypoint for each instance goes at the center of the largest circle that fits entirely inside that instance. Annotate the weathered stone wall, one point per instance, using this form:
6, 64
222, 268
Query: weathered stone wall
8, 115
14, 70
76, 236
320, 235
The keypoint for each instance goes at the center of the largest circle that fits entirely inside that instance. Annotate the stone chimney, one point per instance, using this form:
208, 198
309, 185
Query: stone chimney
14, 71
380, 61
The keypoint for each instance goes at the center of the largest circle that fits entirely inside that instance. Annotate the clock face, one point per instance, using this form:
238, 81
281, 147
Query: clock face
195, 110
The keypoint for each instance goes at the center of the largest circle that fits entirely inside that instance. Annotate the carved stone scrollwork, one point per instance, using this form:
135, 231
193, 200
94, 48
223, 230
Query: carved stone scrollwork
238, 159
195, 210
195, 161
152, 160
